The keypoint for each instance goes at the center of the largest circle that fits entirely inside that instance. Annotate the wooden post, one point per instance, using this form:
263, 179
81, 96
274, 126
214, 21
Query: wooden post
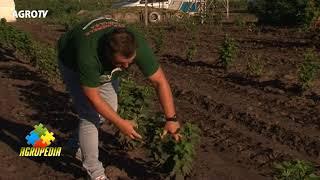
227, 9
226, 6
146, 12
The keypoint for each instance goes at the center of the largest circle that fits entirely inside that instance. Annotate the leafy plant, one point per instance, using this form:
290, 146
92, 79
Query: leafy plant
176, 157
227, 52
295, 170
309, 68
255, 66
134, 104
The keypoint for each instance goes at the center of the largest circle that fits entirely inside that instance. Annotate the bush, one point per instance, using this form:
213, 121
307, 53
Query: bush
285, 12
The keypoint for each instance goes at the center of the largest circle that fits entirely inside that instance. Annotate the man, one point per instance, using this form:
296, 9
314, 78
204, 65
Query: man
90, 57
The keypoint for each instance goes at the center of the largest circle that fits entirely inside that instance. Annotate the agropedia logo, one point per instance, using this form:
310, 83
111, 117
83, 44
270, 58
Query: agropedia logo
30, 14
40, 138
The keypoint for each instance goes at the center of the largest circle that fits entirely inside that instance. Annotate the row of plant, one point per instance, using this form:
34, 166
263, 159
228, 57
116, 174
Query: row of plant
38, 54
307, 72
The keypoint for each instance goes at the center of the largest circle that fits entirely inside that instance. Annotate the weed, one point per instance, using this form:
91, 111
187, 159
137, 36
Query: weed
295, 170
255, 66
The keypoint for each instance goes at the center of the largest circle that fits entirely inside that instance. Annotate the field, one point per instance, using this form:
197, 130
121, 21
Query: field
252, 114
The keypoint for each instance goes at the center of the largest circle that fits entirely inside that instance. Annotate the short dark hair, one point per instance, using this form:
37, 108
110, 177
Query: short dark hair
121, 41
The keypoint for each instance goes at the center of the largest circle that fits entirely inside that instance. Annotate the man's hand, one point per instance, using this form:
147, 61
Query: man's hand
172, 128
127, 128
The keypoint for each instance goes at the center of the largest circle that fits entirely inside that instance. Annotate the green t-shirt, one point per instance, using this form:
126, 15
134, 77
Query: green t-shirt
80, 50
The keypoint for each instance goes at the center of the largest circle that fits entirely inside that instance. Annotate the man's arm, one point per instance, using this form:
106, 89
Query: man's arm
108, 113
163, 89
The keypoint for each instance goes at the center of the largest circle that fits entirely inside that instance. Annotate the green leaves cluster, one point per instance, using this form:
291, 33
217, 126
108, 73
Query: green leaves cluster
295, 170
309, 69
176, 157
134, 104
227, 51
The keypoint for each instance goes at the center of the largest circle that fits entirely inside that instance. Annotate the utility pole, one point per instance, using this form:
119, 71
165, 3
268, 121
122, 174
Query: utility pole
146, 12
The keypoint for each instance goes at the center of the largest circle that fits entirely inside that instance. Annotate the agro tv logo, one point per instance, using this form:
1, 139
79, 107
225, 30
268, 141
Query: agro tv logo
23, 14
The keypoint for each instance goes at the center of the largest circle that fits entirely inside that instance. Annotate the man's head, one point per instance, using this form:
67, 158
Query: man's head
120, 47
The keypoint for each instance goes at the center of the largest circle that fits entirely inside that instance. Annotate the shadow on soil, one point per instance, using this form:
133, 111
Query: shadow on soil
180, 61
275, 83
53, 109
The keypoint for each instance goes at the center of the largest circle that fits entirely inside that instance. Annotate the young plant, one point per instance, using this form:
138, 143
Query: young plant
159, 41
194, 38
174, 157
255, 66
227, 52
309, 68
191, 51
134, 104
295, 170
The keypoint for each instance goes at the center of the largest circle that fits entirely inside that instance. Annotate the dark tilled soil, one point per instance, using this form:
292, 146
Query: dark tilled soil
248, 123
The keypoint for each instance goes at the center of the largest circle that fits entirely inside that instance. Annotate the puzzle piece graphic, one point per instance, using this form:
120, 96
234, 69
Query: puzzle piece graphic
32, 138
47, 138
40, 144
40, 129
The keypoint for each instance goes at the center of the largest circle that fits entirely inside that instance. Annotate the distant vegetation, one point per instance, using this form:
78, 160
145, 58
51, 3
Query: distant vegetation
284, 12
